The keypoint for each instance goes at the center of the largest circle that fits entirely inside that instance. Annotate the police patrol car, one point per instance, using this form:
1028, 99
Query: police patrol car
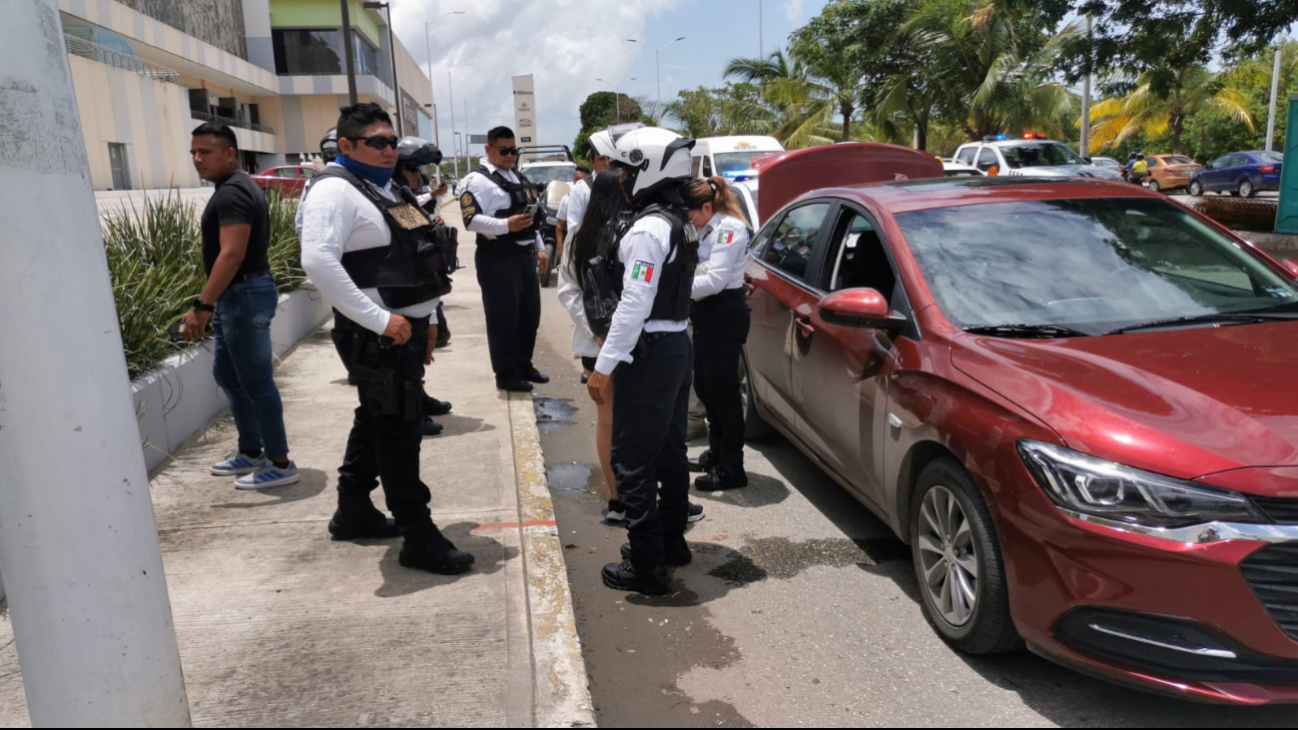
1031, 156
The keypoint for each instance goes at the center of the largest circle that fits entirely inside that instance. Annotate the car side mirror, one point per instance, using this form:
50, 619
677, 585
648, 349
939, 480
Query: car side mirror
1088, 160
865, 308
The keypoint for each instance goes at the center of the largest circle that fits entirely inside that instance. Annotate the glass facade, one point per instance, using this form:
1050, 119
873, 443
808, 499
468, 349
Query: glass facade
319, 52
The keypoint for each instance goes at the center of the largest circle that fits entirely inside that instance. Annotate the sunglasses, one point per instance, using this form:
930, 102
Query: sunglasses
378, 142
508, 151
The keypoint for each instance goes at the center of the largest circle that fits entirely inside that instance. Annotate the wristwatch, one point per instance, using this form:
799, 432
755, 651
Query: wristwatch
202, 306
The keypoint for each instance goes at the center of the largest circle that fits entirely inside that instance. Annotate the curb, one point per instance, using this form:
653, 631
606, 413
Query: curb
561, 690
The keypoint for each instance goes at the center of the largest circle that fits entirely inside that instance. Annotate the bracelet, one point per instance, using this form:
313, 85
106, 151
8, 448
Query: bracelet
202, 306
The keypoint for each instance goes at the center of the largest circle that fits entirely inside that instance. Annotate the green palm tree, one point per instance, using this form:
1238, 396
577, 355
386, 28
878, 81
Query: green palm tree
987, 68
796, 106
1194, 89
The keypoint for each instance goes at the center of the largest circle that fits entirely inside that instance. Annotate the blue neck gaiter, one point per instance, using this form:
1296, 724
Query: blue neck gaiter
380, 176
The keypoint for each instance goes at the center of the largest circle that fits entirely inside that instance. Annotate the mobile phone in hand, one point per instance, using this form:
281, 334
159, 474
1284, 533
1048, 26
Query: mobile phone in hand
177, 331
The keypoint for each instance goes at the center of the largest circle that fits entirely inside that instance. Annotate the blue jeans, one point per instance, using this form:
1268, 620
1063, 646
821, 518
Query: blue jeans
244, 364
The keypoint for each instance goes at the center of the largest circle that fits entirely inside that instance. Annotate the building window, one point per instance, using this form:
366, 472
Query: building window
409, 114
302, 52
121, 171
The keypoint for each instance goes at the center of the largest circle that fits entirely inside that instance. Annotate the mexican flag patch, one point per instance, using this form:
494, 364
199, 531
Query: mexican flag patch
726, 237
642, 271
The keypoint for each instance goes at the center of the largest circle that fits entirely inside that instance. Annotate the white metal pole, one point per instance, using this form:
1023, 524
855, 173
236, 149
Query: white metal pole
432, 94
78, 542
761, 30
1086, 96
658, 68
1275, 90
450, 91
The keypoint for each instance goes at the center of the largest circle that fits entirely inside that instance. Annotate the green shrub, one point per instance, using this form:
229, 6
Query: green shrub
156, 265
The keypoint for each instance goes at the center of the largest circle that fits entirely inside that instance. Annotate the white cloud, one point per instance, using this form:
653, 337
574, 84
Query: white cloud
564, 44
793, 8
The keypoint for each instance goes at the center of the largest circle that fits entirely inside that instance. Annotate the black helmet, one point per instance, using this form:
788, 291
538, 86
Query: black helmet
329, 145
417, 152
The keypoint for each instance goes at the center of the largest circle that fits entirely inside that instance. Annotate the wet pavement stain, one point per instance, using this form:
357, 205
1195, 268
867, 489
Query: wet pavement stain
779, 557
570, 477
554, 413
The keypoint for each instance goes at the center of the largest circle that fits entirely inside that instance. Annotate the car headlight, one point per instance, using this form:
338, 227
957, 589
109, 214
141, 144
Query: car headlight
1100, 488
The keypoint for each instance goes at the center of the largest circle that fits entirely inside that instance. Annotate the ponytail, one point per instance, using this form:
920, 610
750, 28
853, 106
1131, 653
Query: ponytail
714, 190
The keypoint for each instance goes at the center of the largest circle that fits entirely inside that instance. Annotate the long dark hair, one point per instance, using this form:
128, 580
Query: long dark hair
606, 203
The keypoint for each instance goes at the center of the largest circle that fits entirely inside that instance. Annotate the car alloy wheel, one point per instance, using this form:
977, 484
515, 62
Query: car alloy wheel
948, 556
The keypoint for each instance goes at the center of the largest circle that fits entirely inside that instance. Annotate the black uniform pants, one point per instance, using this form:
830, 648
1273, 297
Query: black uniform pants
387, 429
650, 409
511, 299
721, 324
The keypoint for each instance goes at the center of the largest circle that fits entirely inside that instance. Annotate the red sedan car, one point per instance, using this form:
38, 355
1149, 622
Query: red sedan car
1074, 399
289, 180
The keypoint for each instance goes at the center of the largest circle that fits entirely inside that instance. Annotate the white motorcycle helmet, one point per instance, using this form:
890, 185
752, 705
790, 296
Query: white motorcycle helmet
657, 159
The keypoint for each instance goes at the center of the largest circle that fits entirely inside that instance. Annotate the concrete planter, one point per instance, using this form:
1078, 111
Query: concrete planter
178, 399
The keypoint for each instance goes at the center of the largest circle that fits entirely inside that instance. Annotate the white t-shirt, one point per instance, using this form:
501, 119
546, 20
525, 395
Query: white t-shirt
336, 218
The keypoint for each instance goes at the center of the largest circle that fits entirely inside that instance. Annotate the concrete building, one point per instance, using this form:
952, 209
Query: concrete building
147, 72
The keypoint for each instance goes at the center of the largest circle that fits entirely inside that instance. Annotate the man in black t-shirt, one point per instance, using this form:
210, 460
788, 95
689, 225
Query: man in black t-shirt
239, 302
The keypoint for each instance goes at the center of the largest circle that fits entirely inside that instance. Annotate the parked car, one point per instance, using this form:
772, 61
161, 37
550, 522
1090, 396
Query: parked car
731, 157
1239, 173
1032, 156
746, 192
1170, 172
552, 174
1068, 397
1108, 162
289, 180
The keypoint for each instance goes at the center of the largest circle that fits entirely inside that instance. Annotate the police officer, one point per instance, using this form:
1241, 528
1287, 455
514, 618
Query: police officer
328, 148
499, 205
654, 266
721, 319
356, 233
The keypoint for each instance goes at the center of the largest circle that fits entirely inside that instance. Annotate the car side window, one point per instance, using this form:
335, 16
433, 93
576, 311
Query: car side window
987, 159
1153, 162
707, 166
860, 260
307, 173
1218, 163
793, 241
286, 172
967, 155
698, 167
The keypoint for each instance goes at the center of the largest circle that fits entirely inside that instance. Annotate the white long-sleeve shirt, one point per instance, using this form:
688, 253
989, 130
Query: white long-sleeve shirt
723, 256
487, 199
570, 296
644, 253
578, 200
337, 218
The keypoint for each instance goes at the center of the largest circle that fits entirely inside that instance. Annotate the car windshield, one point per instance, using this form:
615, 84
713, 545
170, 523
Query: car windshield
1268, 157
1045, 154
1106, 162
736, 161
546, 174
1093, 265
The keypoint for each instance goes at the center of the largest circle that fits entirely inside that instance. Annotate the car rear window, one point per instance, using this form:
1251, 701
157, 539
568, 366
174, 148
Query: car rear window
1270, 157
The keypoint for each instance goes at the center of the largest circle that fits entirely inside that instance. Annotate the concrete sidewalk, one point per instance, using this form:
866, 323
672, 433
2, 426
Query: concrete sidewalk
279, 626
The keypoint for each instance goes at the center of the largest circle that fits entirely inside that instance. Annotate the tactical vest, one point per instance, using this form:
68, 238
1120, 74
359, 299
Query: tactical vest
602, 287
416, 266
521, 195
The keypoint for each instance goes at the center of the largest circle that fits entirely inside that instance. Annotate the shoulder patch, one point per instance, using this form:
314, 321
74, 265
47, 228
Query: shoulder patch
642, 271
468, 206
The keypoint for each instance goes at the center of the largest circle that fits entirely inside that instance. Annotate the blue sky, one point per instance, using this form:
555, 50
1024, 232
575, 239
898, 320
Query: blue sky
567, 44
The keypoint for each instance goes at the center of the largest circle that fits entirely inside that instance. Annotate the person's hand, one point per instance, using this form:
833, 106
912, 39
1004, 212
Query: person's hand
398, 329
519, 222
544, 257
598, 384
432, 344
196, 322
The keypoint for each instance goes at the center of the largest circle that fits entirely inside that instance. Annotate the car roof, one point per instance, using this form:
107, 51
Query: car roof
927, 194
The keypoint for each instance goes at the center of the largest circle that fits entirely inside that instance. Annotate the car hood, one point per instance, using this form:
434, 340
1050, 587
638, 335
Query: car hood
1068, 171
1185, 403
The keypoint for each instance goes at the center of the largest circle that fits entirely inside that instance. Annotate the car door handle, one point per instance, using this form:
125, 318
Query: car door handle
804, 324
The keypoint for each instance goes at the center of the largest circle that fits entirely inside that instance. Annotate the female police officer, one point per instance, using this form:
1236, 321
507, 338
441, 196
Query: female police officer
721, 320
647, 344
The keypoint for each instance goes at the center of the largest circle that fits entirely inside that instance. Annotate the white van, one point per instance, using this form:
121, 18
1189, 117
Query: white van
731, 157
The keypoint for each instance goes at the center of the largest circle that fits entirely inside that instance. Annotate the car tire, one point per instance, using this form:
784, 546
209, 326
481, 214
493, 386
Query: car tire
1153, 185
1246, 189
985, 627
755, 427
1196, 188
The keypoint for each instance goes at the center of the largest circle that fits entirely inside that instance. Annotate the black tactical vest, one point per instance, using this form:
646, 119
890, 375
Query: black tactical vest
416, 266
521, 195
603, 282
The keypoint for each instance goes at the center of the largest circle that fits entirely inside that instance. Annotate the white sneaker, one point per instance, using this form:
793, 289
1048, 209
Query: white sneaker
616, 512
695, 513
236, 464
268, 475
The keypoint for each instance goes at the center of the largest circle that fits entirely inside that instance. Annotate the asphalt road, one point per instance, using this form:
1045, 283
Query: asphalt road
800, 609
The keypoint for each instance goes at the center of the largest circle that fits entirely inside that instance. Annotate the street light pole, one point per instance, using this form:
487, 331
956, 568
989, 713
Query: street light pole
428, 49
1275, 90
450, 91
659, 71
348, 52
1086, 95
617, 96
392, 49
761, 30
